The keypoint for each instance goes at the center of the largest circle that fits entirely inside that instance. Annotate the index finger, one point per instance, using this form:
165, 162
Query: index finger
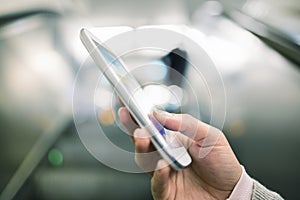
127, 120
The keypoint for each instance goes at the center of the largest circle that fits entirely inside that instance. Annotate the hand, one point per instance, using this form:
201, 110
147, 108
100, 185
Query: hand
213, 172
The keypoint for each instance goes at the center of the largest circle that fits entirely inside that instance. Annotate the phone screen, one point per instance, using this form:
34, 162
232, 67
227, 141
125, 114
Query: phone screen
128, 81
113, 61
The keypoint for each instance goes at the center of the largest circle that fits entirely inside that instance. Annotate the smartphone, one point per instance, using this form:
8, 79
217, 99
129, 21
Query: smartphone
135, 99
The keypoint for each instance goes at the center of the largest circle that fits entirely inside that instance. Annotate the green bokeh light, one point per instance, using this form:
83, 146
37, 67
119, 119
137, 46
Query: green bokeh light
55, 157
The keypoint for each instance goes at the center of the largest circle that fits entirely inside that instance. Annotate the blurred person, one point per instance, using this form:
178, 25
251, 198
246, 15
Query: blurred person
216, 175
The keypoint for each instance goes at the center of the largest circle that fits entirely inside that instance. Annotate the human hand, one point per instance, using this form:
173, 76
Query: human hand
213, 172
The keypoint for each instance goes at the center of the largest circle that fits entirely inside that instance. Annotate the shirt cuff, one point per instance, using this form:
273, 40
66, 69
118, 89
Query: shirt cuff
244, 188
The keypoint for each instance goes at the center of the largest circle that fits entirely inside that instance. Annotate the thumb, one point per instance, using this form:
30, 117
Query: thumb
184, 123
160, 181
203, 134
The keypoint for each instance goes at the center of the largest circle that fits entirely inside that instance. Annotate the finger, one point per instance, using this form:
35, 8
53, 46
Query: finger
178, 139
126, 120
160, 181
142, 141
186, 124
145, 154
204, 135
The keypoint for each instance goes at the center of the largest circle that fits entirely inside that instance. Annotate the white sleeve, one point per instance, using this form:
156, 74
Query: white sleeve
243, 189
250, 189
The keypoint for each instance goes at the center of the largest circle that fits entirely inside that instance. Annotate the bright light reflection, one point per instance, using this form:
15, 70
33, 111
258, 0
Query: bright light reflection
158, 94
103, 98
176, 95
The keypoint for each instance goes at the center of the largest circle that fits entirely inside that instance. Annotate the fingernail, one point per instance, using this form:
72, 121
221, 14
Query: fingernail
162, 113
139, 133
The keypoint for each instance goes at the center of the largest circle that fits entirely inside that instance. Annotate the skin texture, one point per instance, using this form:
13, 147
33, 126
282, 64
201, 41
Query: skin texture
214, 170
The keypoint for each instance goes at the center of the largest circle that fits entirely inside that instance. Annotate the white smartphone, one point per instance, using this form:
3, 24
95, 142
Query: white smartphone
135, 99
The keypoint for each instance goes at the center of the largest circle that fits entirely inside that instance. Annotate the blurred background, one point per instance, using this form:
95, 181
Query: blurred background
255, 45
